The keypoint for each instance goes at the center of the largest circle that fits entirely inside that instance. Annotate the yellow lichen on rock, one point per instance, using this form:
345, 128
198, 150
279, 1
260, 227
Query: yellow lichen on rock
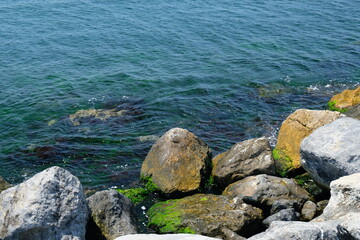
346, 99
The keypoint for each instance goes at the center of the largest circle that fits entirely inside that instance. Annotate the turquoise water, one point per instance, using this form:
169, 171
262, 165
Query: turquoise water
226, 70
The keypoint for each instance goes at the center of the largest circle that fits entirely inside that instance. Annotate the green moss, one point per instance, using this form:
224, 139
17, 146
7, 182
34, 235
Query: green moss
332, 107
204, 199
303, 179
283, 163
165, 218
136, 195
149, 184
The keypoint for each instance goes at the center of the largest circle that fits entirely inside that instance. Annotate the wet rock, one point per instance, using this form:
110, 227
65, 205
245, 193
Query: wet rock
178, 162
205, 214
265, 190
101, 114
288, 214
332, 151
302, 230
4, 184
293, 130
50, 205
345, 99
281, 204
344, 204
111, 212
308, 211
250, 157
165, 237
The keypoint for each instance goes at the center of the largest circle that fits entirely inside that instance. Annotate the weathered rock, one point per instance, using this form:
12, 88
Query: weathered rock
50, 205
302, 230
205, 214
293, 130
353, 112
250, 157
111, 212
308, 211
177, 162
4, 184
283, 215
101, 114
281, 204
332, 151
230, 235
265, 190
345, 99
165, 237
344, 204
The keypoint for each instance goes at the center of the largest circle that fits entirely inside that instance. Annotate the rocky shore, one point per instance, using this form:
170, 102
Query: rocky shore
307, 187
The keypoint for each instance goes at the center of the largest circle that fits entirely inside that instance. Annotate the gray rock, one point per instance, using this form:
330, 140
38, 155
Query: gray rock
227, 234
177, 152
50, 205
302, 230
354, 112
308, 211
344, 204
332, 151
111, 212
283, 215
320, 206
265, 190
281, 204
250, 157
165, 237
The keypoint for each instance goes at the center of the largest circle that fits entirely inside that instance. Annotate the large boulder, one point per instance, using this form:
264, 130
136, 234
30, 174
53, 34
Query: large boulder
265, 190
50, 205
111, 212
345, 99
205, 214
344, 204
250, 157
165, 237
302, 230
332, 151
293, 130
178, 162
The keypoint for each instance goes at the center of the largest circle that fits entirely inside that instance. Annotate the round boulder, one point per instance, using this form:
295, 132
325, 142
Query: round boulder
178, 162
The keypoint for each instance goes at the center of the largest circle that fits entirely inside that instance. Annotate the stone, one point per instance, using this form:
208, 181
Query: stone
4, 184
100, 114
281, 204
230, 235
288, 214
332, 151
345, 99
205, 214
320, 206
308, 211
250, 157
165, 237
111, 212
353, 112
179, 162
265, 190
344, 204
293, 130
302, 230
50, 205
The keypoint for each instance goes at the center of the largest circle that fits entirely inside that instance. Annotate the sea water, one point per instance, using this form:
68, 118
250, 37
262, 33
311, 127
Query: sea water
227, 70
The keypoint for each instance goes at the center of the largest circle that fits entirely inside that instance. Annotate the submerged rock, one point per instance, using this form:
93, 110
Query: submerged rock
178, 162
265, 190
50, 205
205, 214
101, 114
165, 237
250, 157
344, 204
332, 151
293, 130
111, 212
345, 99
